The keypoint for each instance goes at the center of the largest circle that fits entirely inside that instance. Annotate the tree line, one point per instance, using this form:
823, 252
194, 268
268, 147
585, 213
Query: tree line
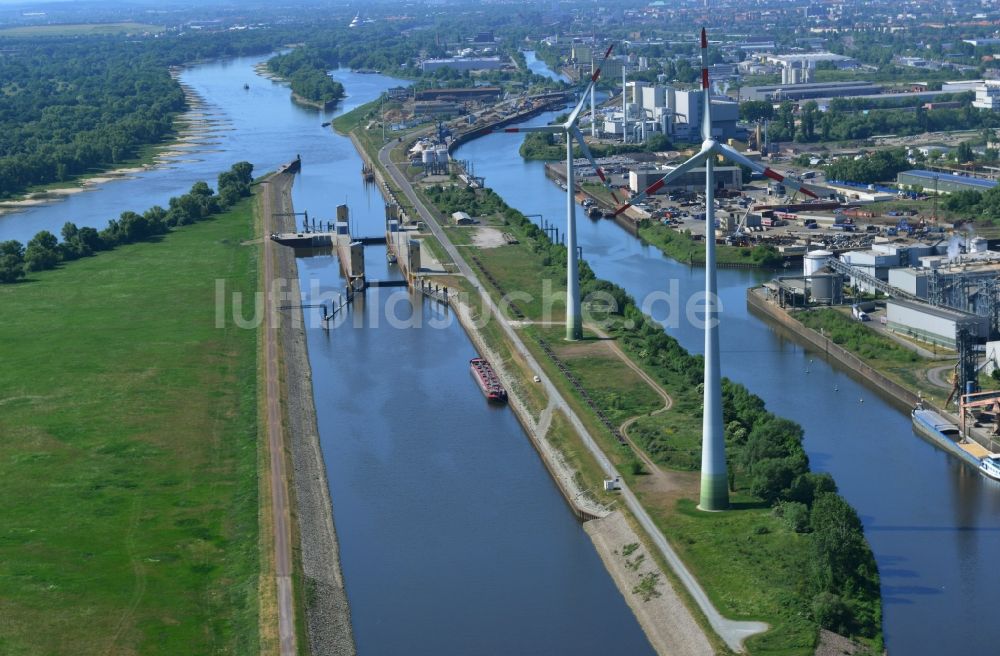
45, 251
863, 118
879, 166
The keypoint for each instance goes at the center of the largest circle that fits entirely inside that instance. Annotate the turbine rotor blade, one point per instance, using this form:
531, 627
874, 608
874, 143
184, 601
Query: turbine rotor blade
734, 155
666, 179
706, 90
593, 162
594, 77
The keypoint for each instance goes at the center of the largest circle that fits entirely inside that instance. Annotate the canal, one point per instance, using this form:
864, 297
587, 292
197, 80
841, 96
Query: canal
933, 524
453, 537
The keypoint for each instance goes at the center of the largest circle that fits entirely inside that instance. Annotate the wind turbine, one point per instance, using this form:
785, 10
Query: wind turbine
574, 322
714, 482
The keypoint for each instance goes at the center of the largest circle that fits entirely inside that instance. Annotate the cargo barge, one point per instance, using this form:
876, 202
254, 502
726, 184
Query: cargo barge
940, 431
488, 381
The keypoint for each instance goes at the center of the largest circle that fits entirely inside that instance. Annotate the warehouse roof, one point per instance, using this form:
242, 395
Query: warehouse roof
951, 177
935, 311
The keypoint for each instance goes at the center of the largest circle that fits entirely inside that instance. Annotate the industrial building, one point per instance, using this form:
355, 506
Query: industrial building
988, 95
960, 86
934, 325
581, 53
436, 108
690, 105
398, 93
727, 177
942, 183
675, 113
461, 218
461, 94
612, 68
801, 68
812, 58
462, 64
795, 92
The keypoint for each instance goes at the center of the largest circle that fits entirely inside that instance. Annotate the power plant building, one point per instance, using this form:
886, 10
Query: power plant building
726, 177
689, 106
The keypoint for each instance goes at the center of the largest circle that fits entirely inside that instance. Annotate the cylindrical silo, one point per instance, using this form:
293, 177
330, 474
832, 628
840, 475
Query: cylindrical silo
814, 260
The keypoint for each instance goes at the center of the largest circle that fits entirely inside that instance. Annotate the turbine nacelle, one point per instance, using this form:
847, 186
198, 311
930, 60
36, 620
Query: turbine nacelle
711, 146
574, 326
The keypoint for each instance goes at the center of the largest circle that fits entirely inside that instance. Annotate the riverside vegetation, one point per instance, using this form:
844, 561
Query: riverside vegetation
792, 551
129, 458
44, 251
305, 69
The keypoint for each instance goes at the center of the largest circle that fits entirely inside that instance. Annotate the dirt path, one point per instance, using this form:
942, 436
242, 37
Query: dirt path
938, 376
279, 485
327, 612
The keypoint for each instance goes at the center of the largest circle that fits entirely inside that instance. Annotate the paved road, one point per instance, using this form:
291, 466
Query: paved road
732, 632
278, 484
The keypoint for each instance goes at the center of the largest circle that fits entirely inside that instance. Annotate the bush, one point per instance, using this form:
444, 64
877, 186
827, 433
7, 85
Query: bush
11, 261
795, 515
831, 612
42, 252
772, 477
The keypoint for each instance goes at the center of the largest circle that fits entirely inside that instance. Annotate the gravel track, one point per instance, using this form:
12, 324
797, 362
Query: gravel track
328, 614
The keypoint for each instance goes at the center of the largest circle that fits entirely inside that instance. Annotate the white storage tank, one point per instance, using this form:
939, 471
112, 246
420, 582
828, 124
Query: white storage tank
428, 157
813, 261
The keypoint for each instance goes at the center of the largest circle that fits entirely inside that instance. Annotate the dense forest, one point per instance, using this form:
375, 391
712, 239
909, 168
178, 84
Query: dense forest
71, 107
75, 105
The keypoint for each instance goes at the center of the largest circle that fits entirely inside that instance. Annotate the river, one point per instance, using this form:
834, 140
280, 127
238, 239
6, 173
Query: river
439, 544
933, 524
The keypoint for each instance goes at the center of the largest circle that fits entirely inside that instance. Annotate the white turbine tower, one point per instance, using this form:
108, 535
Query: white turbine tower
574, 321
714, 482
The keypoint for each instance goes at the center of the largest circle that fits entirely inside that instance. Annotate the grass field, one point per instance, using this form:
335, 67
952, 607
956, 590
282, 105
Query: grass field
128, 459
683, 248
752, 566
897, 362
81, 29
